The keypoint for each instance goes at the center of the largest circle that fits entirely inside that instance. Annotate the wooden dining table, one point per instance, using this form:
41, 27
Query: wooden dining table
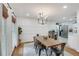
48, 42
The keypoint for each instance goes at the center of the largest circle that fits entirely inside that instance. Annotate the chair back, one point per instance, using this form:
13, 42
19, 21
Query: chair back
59, 49
62, 46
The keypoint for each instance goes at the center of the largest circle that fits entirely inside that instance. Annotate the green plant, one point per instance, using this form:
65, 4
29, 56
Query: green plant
19, 30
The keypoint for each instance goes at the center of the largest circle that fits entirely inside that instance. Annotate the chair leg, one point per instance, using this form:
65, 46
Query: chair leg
51, 52
62, 54
46, 52
39, 52
57, 54
36, 49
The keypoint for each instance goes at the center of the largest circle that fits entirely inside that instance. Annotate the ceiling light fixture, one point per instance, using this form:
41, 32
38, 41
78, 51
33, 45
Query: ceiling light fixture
27, 14
65, 6
64, 18
42, 19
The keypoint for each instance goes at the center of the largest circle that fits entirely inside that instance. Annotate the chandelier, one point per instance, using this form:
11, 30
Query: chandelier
42, 19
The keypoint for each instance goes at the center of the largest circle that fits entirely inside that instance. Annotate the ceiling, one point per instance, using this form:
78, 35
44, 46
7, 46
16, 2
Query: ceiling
54, 11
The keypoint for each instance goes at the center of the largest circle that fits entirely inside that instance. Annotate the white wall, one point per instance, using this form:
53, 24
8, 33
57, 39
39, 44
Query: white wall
73, 40
31, 27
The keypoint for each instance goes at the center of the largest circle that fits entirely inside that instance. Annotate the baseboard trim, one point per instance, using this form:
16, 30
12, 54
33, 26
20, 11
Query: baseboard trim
27, 42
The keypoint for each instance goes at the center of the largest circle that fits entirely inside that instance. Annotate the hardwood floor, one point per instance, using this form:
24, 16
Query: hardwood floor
18, 51
72, 51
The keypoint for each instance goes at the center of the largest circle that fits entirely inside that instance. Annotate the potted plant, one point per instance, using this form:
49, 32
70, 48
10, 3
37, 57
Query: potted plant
19, 33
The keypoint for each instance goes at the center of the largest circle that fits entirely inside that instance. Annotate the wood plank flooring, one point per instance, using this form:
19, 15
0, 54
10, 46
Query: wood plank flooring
72, 51
18, 51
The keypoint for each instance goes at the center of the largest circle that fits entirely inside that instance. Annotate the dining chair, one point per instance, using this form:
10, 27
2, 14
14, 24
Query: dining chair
39, 47
36, 43
42, 48
58, 50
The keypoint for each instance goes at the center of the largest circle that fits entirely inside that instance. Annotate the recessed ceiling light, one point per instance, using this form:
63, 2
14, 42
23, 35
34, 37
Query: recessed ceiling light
64, 6
64, 18
27, 14
70, 19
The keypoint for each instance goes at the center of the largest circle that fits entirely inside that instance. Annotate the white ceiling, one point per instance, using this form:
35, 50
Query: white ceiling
54, 11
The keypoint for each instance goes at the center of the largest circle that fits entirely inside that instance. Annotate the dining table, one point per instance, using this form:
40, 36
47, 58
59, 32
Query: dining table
48, 42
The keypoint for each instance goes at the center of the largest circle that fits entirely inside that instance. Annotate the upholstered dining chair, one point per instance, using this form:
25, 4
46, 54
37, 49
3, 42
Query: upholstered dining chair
58, 50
